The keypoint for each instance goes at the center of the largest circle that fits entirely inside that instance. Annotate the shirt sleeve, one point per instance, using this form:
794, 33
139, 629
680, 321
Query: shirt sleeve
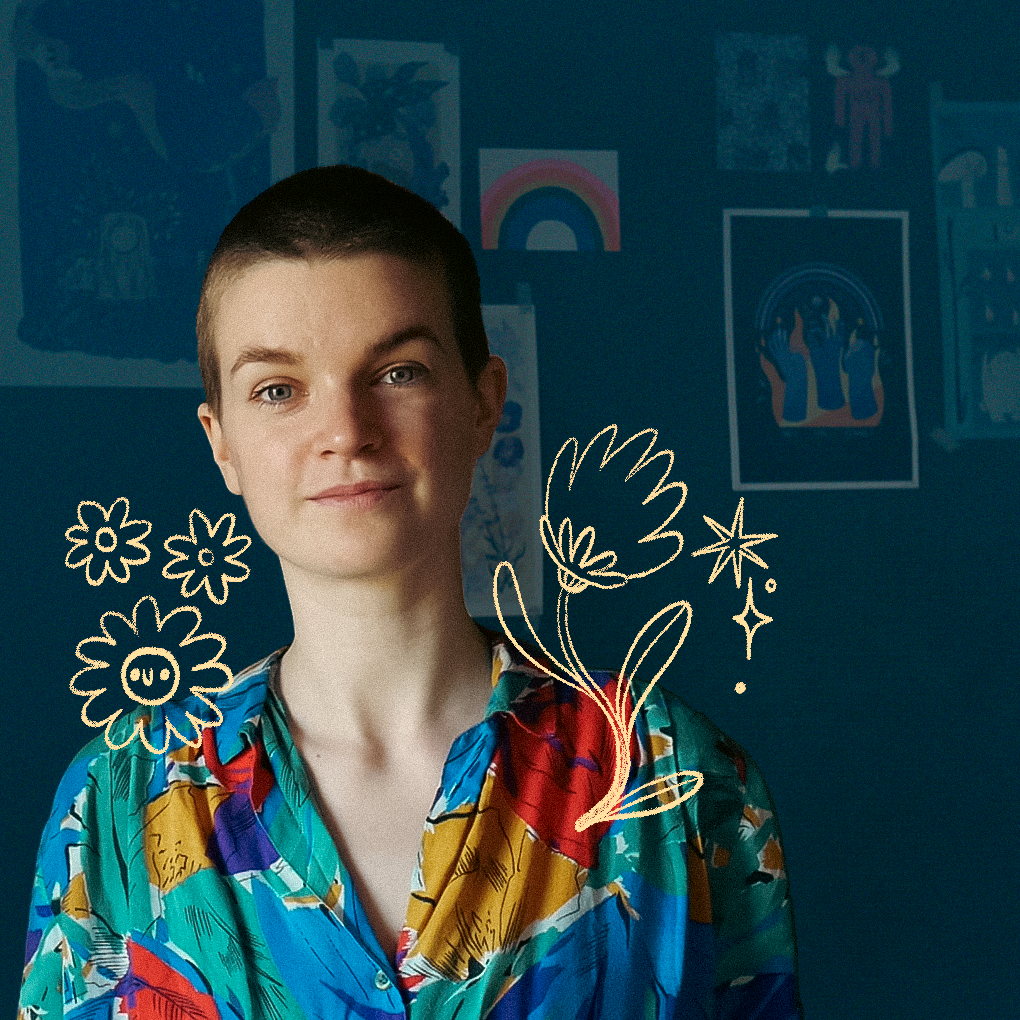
756, 961
58, 946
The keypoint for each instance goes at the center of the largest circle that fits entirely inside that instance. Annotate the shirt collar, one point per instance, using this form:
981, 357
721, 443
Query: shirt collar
242, 704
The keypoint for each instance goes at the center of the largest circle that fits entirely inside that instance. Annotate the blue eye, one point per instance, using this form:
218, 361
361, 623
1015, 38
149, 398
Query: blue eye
410, 373
269, 389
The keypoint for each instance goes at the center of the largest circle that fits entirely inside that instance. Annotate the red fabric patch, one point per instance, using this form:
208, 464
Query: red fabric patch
556, 761
248, 772
153, 989
736, 757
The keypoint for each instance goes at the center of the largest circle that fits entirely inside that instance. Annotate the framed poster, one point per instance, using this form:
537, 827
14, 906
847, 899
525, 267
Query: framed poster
503, 515
140, 132
394, 108
976, 149
818, 346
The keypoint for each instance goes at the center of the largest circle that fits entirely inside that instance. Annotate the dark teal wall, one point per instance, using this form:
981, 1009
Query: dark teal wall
882, 702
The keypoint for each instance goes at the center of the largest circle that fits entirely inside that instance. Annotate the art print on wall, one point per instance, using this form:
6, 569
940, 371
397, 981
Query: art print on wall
141, 130
976, 147
863, 115
394, 108
549, 199
502, 517
819, 350
762, 102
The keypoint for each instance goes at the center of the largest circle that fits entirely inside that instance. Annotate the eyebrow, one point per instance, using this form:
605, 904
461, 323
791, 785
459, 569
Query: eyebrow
282, 356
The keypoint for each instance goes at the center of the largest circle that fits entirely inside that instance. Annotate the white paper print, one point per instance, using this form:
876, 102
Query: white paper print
503, 514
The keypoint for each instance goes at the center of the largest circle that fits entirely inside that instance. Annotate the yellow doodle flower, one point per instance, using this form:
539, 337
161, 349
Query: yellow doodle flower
576, 567
106, 541
153, 661
207, 562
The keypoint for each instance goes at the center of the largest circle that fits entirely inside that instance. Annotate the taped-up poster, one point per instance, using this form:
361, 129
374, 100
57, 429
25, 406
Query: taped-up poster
141, 130
394, 108
976, 151
501, 522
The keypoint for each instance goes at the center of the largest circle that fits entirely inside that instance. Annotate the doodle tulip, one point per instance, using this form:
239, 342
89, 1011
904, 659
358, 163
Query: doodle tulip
580, 566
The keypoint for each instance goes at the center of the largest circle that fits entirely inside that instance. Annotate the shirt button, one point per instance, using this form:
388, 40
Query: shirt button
382, 982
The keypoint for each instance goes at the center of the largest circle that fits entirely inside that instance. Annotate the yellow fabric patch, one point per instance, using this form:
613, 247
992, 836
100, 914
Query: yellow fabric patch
771, 856
178, 825
751, 815
489, 878
661, 745
333, 895
75, 901
699, 897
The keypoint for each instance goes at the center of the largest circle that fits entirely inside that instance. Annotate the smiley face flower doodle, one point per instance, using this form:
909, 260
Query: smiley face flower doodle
151, 666
99, 541
213, 565
578, 568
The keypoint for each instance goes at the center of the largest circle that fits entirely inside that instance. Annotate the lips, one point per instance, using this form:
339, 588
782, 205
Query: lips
352, 490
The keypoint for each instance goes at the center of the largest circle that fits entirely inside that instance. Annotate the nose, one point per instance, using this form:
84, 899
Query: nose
347, 422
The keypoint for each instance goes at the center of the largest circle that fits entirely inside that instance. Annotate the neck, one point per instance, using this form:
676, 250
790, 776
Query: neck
373, 665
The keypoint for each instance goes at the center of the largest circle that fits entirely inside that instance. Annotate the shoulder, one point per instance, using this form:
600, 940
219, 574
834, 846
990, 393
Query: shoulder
701, 740
734, 795
139, 755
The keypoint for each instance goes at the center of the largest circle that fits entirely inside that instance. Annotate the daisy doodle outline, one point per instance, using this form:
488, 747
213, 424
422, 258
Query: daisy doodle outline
144, 686
201, 567
733, 545
104, 539
577, 569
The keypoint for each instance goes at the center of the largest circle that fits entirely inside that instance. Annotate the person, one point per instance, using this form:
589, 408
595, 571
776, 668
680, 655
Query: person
382, 823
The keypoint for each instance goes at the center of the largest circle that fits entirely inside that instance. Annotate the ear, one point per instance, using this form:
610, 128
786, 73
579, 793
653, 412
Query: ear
490, 394
220, 450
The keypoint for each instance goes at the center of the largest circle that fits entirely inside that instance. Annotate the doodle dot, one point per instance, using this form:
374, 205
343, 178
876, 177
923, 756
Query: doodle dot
104, 535
741, 687
201, 557
770, 585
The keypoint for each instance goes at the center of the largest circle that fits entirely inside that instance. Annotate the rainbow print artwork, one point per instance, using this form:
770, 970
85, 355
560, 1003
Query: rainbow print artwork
549, 200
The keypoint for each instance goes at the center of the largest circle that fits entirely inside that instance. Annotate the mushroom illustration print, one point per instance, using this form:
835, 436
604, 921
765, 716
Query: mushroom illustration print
965, 168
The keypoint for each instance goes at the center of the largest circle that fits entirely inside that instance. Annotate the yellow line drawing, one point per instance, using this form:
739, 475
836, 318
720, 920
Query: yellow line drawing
150, 674
577, 568
104, 540
741, 618
205, 558
733, 545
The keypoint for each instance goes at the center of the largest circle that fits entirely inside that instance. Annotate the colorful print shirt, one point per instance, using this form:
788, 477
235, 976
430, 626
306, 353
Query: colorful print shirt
202, 882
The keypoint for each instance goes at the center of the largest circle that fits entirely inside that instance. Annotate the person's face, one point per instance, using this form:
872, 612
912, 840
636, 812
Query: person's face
346, 371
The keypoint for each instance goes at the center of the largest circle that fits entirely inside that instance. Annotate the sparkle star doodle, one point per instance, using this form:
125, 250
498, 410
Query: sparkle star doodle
206, 564
733, 545
741, 618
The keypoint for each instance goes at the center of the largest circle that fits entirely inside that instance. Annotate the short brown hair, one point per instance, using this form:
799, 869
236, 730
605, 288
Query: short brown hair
333, 212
